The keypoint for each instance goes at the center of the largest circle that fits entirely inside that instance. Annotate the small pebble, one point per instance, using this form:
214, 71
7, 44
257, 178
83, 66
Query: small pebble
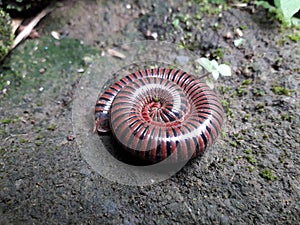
70, 138
239, 32
81, 70
42, 70
228, 35
151, 35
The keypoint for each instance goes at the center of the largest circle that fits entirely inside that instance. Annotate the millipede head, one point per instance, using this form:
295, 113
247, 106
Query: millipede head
101, 123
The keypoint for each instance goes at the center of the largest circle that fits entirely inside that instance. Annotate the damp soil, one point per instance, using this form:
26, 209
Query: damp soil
250, 176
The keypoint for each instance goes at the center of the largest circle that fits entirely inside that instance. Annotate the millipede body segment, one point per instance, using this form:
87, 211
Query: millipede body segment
160, 113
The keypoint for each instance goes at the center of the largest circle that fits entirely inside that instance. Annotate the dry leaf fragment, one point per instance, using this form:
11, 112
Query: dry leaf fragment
55, 35
116, 54
16, 23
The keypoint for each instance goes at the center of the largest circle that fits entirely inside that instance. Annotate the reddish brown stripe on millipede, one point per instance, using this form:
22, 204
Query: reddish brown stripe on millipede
158, 113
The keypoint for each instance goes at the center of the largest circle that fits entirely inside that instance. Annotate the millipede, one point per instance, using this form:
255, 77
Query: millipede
159, 113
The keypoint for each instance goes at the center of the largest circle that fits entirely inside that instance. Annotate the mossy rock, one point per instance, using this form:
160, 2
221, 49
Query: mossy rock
23, 7
6, 34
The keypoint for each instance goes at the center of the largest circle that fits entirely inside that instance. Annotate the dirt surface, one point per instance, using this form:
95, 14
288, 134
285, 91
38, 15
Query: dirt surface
250, 176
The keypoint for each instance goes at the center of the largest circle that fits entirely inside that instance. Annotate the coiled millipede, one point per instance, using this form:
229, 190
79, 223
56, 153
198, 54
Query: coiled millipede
160, 113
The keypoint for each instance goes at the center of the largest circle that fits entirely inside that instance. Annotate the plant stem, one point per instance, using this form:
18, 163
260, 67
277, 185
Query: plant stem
205, 75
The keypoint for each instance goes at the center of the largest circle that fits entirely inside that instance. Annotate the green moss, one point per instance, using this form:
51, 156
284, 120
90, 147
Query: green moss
295, 37
223, 134
280, 90
209, 7
10, 120
227, 109
218, 53
248, 151
234, 143
246, 117
6, 34
39, 103
224, 89
260, 107
59, 59
233, 94
246, 82
175, 23
217, 26
38, 143
281, 42
238, 158
250, 158
243, 27
258, 92
241, 91
267, 174
24, 7
38, 137
23, 140
265, 136
225, 104
283, 156
38, 130
52, 127
287, 117
251, 168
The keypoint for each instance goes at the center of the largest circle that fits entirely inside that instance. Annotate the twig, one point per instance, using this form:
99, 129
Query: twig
27, 30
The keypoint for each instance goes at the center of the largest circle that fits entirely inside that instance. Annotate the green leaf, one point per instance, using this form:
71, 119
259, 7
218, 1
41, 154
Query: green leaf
295, 22
238, 42
289, 8
277, 3
205, 63
210, 83
215, 74
214, 65
224, 70
175, 22
264, 4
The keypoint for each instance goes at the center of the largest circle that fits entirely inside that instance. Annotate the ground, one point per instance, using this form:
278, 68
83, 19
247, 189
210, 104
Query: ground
250, 176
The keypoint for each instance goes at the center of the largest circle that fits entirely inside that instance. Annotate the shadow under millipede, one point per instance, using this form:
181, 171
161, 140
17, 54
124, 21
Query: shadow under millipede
117, 151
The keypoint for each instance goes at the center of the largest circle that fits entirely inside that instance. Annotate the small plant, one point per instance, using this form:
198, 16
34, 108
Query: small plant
283, 9
214, 69
6, 34
267, 174
21, 7
295, 37
52, 127
280, 90
249, 156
